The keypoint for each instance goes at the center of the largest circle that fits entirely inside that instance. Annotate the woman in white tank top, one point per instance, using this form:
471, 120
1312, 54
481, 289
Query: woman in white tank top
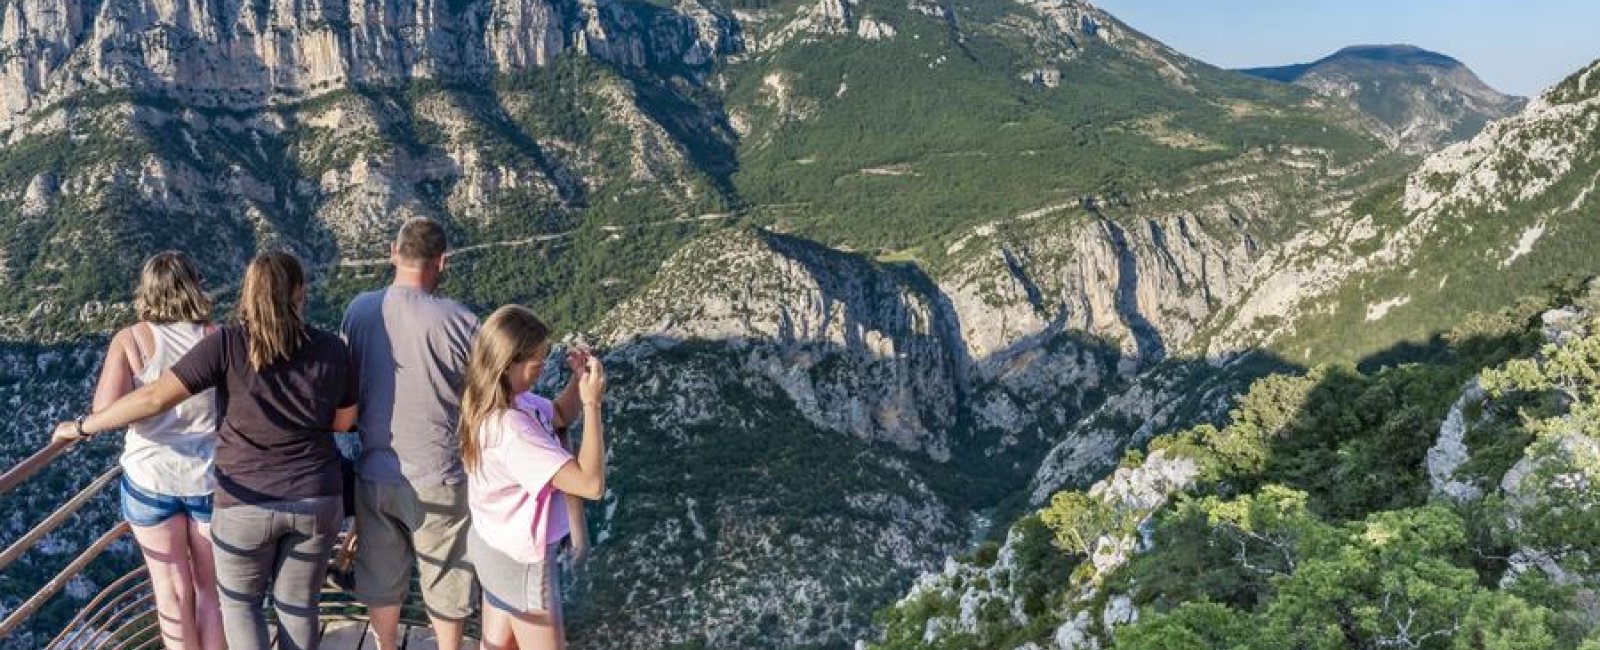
166, 459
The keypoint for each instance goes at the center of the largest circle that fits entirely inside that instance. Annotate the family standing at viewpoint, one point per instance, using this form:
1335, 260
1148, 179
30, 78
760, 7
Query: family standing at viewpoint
233, 484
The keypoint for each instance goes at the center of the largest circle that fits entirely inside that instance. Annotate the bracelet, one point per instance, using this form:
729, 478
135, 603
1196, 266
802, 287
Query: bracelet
78, 427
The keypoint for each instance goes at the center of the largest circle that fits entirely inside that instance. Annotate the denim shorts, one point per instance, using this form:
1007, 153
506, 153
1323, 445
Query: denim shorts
145, 508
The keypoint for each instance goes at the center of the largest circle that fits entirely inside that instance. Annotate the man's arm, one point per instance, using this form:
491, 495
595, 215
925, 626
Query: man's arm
160, 396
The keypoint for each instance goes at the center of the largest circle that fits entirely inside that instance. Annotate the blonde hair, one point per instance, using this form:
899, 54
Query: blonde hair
269, 308
169, 291
511, 335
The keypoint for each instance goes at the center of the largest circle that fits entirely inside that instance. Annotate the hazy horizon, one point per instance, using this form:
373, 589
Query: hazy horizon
1479, 33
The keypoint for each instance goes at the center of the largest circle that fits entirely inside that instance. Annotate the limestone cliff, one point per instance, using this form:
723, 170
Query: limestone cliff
246, 55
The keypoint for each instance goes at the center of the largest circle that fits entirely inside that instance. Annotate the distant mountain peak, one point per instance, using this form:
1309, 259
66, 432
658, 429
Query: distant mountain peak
1394, 53
1417, 100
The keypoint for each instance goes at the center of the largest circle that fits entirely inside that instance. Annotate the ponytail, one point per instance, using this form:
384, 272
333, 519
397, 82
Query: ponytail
270, 308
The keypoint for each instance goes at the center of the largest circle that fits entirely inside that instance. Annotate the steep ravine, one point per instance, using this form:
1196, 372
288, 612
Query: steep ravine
946, 391
836, 425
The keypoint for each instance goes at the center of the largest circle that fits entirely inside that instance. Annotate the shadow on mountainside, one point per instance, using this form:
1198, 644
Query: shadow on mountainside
1356, 437
734, 515
734, 519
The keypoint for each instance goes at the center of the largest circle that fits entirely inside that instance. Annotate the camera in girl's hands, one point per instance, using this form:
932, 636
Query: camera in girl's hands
577, 359
578, 354
592, 383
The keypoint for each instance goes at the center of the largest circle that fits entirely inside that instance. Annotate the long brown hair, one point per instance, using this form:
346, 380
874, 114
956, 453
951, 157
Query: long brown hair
511, 335
169, 291
269, 307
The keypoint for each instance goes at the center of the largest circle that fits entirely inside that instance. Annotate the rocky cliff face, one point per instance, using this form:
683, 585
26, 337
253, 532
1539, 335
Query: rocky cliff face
775, 372
857, 349
1538, 480
1417, 101
1474, 225
1073, 327
330, 179
1005, 584
247, 55
1516, 159
1030, 323
874, 358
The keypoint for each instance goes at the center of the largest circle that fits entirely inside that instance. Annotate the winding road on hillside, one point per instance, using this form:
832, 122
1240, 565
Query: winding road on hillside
539, 239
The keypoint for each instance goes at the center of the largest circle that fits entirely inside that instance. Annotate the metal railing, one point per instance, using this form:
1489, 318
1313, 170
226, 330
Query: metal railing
115, 608
54, 521
122, 616
15, 477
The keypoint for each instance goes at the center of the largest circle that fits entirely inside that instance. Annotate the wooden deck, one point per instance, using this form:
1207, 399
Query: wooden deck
353, 635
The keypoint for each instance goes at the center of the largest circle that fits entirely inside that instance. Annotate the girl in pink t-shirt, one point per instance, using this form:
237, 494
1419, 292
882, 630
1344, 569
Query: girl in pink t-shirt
518, 474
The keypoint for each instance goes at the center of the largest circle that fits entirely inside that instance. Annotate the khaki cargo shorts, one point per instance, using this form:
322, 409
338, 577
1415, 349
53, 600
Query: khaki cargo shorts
401, 526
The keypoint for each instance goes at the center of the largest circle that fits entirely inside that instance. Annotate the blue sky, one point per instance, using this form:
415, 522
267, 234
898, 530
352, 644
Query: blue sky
1517, 47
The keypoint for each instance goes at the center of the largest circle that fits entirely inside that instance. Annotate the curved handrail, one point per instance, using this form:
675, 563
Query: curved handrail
140, 608
119, 616
142, 635
24, 471
32, 464
57, 518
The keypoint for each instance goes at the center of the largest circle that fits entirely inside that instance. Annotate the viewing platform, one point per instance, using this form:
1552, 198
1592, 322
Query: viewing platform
122, 615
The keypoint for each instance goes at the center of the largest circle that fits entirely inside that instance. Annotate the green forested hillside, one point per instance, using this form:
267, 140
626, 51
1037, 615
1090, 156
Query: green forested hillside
586, 172
905, 143
1320, 515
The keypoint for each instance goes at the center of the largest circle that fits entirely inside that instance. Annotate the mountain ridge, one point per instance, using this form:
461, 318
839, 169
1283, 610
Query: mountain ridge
1392, 53
1418, 100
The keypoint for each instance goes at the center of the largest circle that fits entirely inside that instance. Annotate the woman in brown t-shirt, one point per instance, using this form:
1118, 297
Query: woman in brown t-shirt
283, 386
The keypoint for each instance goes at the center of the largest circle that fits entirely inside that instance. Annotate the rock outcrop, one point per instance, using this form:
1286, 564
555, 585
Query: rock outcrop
1515, 159
961, 594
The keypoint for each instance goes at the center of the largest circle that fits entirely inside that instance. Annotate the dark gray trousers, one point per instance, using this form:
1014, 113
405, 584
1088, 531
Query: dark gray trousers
282, 546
